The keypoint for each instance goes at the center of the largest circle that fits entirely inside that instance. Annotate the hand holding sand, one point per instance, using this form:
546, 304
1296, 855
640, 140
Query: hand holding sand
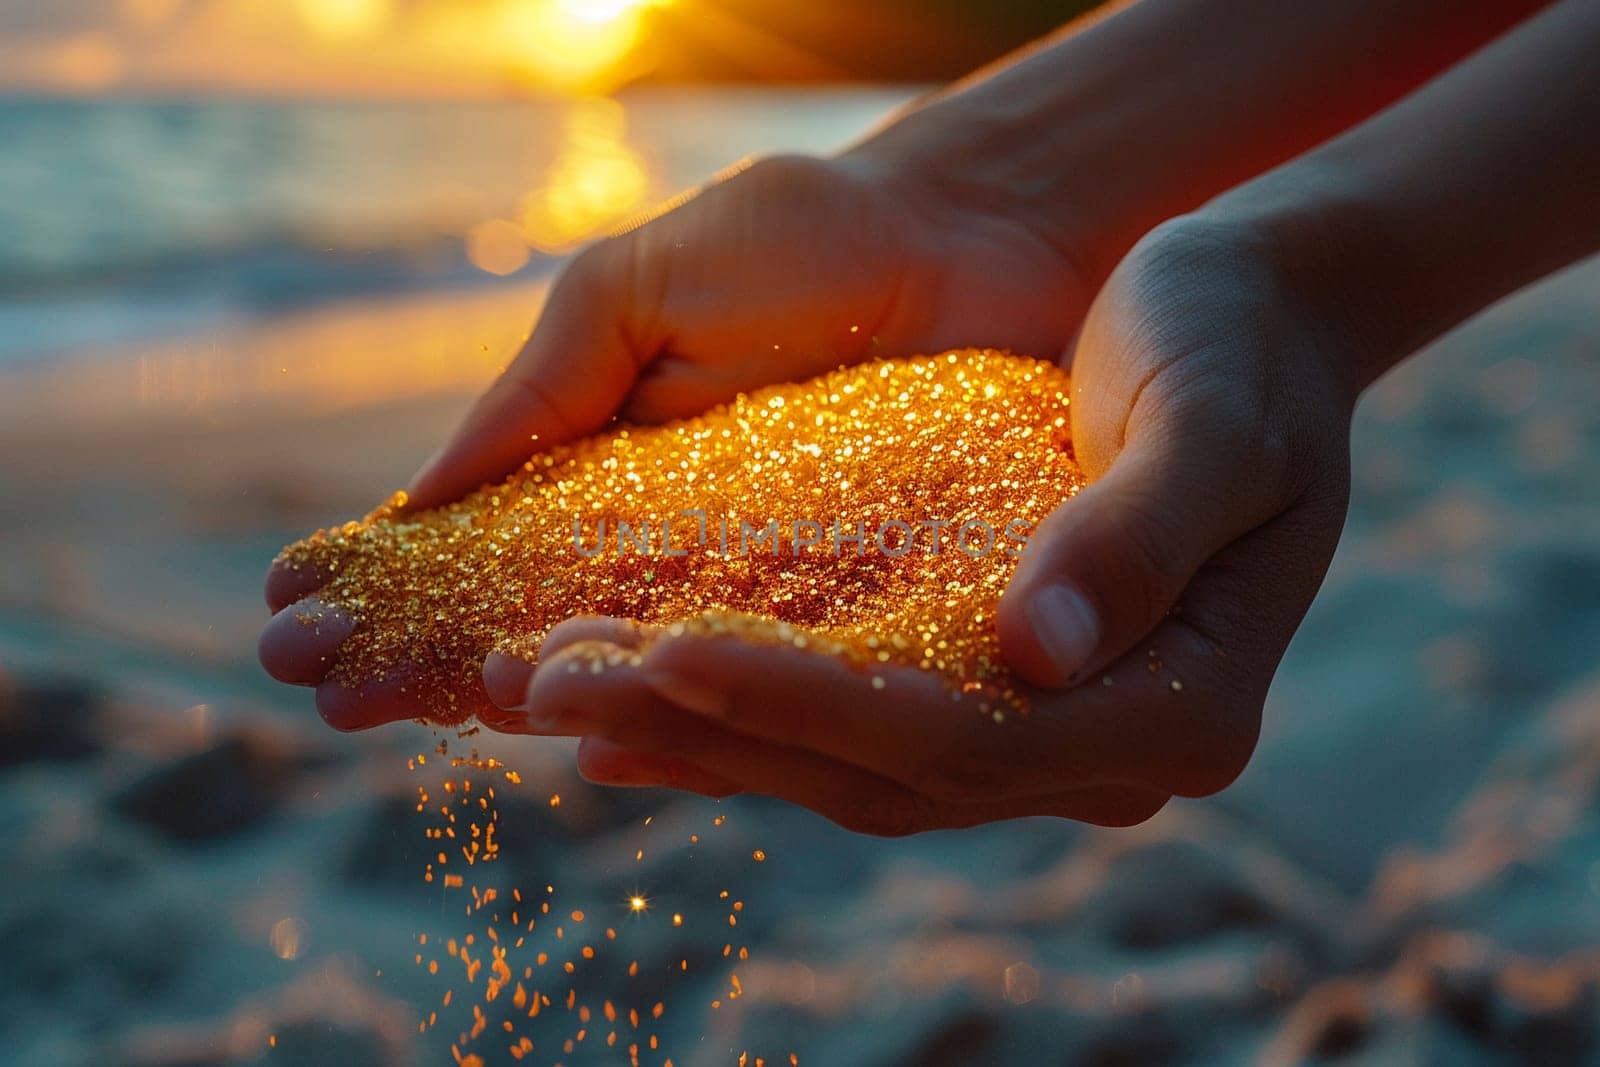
1212, 390
1223, 481
1149, 612
875, 513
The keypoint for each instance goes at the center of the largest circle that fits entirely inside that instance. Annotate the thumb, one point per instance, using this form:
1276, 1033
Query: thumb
1103, 570
567, 381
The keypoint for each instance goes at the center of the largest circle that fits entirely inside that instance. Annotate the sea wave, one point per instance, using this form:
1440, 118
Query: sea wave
126, 217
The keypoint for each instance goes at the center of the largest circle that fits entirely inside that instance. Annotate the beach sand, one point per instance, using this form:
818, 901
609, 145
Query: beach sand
1409, 871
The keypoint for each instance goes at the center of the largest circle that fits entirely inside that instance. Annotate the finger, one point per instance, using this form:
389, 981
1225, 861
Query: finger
567, 381
608, 763
300, 643
394, 697
404, 691
1100, 572
671, 388
288, 582
891, 812
506, 675
625, 633
884, 720
690, 751
900, 725
597, 691
571, 696
1181, 712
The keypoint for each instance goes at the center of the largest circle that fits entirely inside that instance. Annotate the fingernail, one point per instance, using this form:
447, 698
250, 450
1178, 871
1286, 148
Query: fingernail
1065, 625
689, 694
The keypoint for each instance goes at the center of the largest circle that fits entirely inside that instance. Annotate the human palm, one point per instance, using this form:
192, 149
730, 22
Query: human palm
786, 269
1216, 430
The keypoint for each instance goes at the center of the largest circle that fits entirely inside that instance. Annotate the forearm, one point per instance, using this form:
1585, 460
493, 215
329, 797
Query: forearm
1481, 183
1099, 133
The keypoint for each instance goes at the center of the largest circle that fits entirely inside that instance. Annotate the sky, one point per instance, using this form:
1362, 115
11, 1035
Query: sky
476, 48
321, 47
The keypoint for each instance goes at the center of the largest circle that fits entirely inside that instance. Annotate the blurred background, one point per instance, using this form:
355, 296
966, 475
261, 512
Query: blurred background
174, 162
255, 258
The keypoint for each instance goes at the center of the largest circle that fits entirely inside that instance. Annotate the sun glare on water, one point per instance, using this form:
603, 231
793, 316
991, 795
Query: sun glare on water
595, 181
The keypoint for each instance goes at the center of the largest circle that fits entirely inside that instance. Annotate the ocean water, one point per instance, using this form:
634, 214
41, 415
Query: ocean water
131, 219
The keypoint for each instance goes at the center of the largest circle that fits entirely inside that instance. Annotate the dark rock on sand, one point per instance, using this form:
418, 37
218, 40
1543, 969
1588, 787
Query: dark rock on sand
315, 1043
1174, 894
1451, 998
1145, 1042
138, 951
969, 1037
1181, 880
387, 848
47, 719
234, 784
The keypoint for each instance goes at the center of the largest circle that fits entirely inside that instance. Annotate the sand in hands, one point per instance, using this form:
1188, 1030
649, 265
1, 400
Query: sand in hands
874, 513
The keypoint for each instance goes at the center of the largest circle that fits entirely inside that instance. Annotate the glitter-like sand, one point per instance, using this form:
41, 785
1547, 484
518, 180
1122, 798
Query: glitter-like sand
969, 447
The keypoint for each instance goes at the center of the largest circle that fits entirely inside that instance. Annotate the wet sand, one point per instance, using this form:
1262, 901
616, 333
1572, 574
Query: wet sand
1408, 872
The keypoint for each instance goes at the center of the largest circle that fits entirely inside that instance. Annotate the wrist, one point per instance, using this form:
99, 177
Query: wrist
948, 159
1033, 143
1313, 231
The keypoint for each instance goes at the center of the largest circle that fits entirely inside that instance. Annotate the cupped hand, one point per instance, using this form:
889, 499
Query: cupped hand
786, 269
1149, 613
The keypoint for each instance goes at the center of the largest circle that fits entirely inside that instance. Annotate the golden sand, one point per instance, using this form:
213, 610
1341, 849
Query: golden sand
519, 973
857, 460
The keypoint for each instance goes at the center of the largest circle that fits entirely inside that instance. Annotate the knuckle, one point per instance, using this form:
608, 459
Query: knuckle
1186, 297
676, 652
595, 269
783, 172
589, 263
1210, 253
